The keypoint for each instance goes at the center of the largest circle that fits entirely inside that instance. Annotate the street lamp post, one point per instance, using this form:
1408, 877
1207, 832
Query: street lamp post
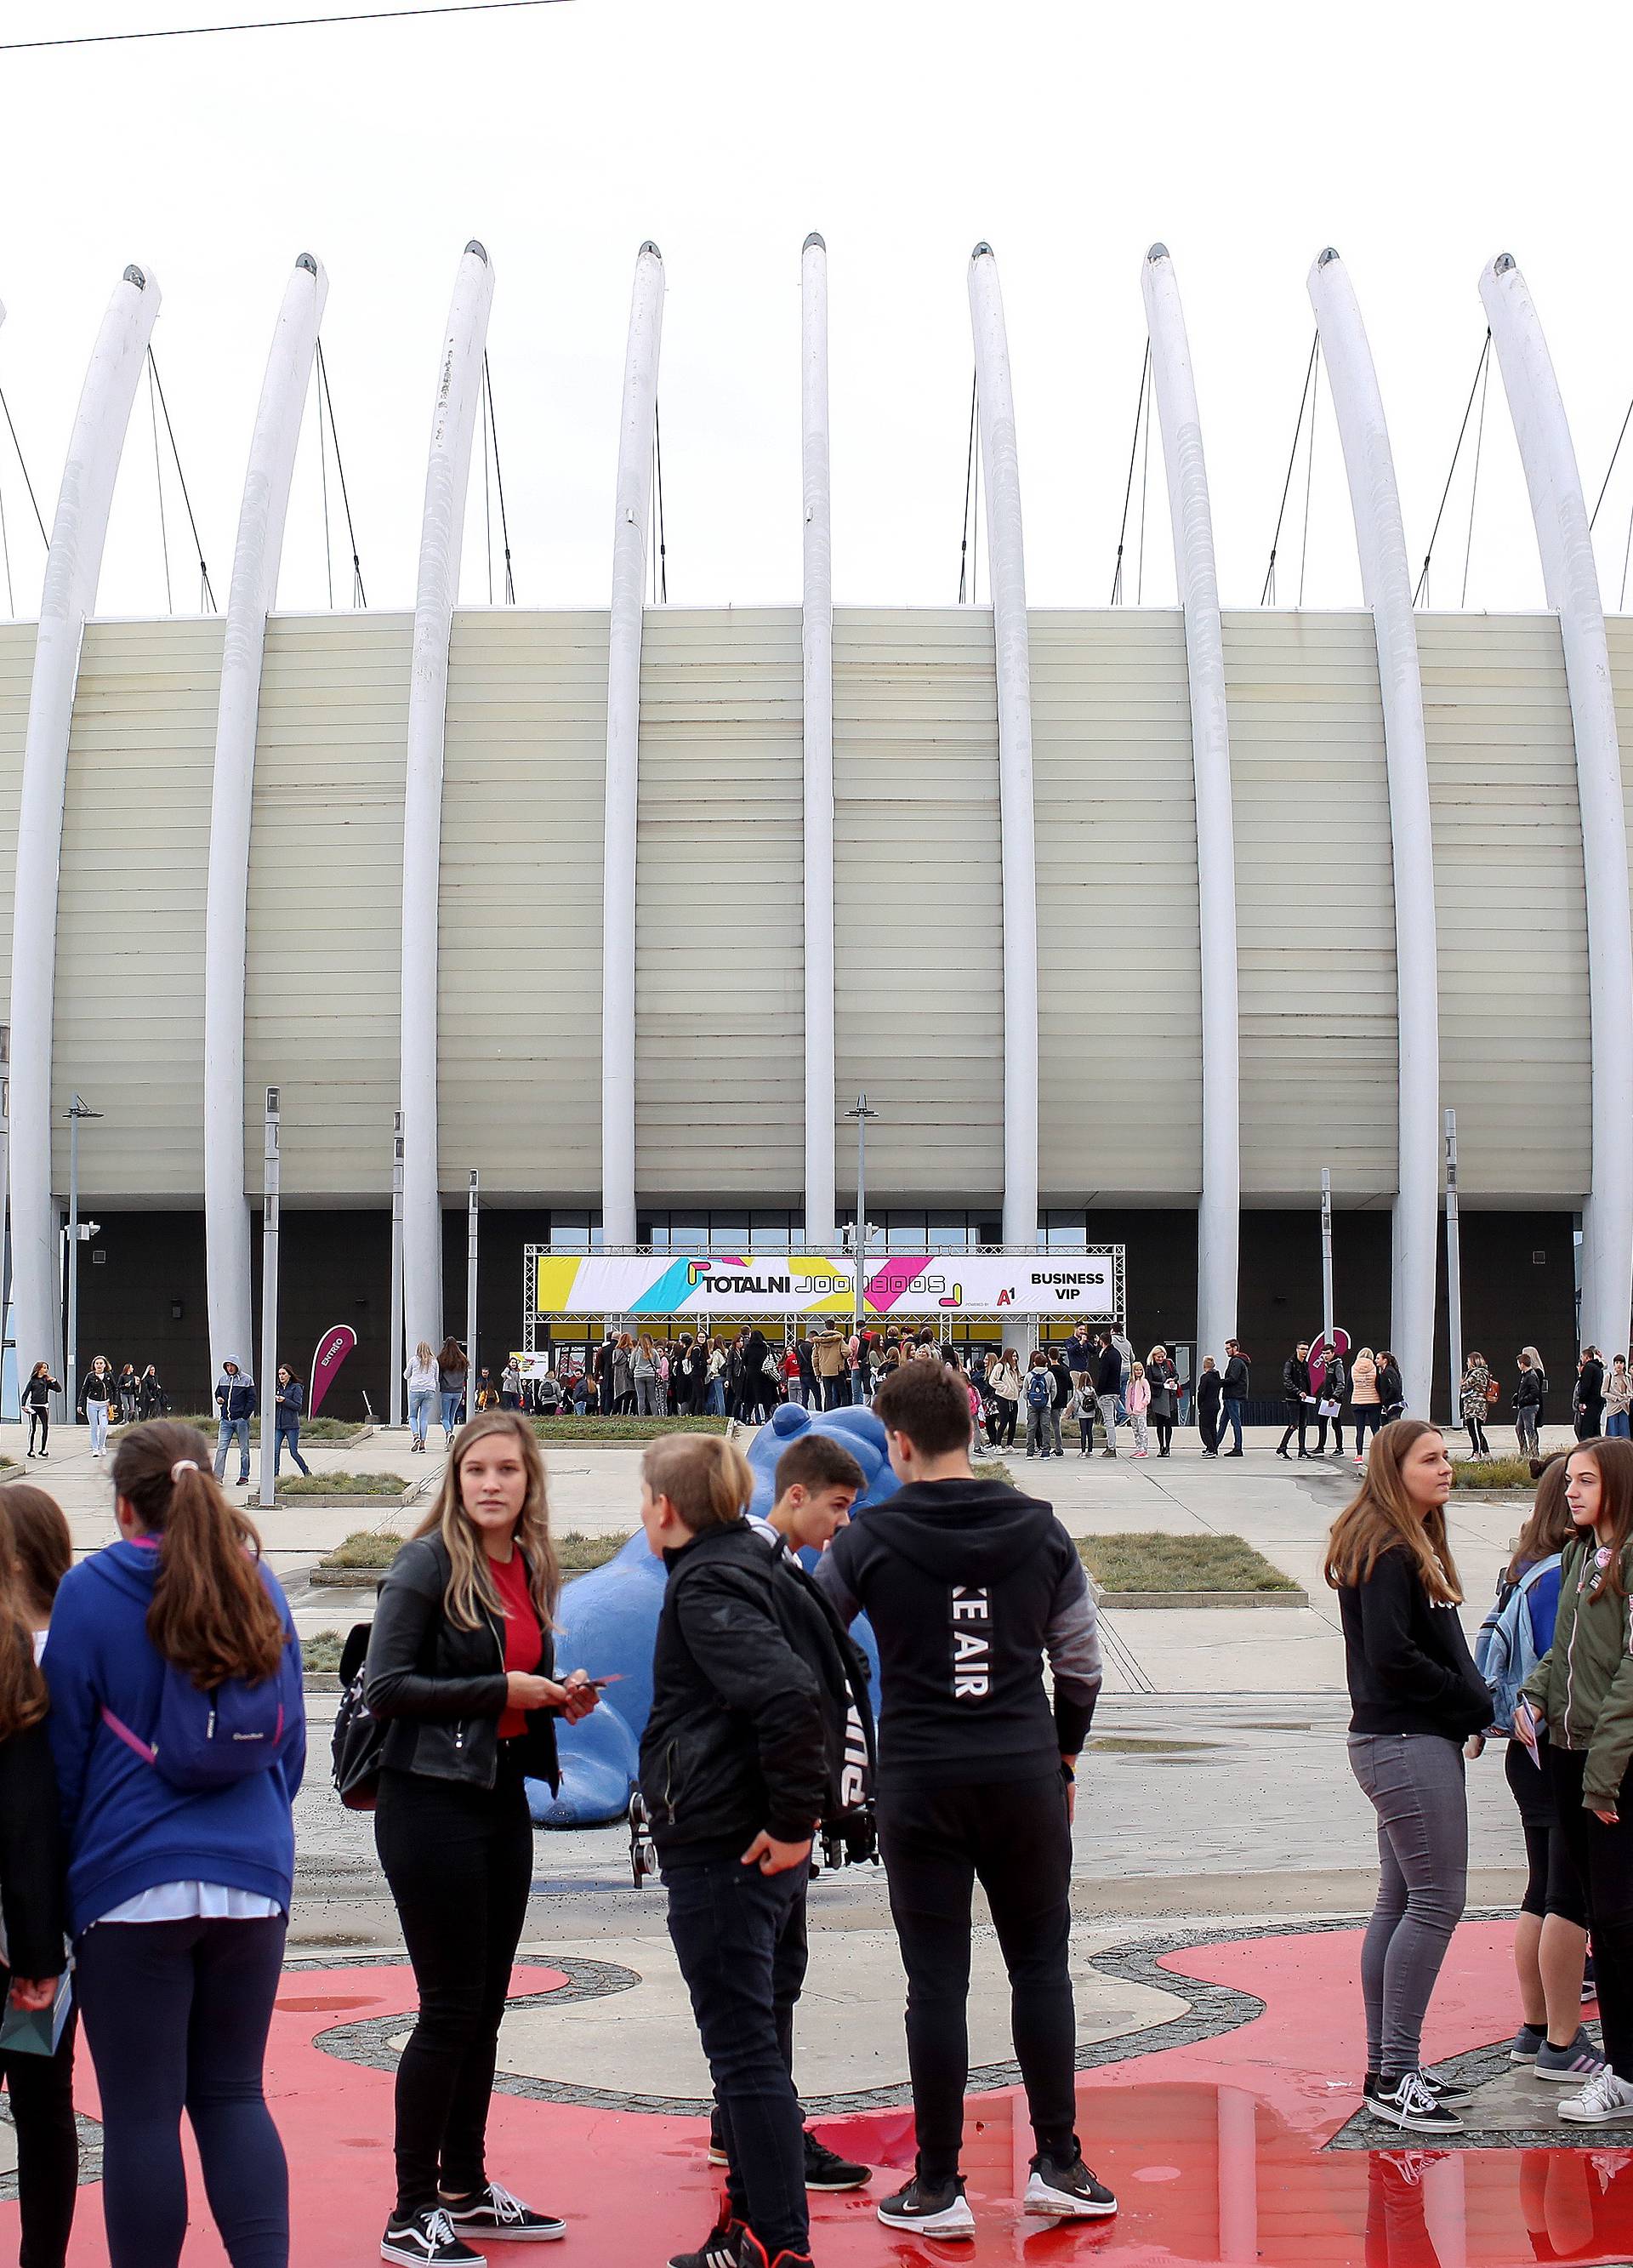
77, 1110
861, 1113
1454, 1269
470, 1302
1327, 1260
269, 1303
396, 1272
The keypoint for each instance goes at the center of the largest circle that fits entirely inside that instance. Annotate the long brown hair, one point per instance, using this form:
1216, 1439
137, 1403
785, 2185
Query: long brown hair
1614, 1459
22, 1698
471, 1594
1382, 1517
1549, 1526
211, 1615
42, 1547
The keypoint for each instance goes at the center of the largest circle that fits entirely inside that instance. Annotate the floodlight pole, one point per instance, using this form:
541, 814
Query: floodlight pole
1454, 1268
77, 1110
1327, 1260
396, 1272
861, 1113
6, 1188
470, 1303
269, 1396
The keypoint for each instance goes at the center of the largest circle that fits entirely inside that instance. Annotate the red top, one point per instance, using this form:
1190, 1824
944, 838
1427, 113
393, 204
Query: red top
524, 1643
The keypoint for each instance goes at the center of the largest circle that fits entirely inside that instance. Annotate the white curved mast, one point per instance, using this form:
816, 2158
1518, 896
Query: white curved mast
256, 558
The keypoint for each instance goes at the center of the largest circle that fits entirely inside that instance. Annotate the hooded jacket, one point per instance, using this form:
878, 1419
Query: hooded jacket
968, 1585
735, 1740
1584, 1684
236, 1397
128, 1828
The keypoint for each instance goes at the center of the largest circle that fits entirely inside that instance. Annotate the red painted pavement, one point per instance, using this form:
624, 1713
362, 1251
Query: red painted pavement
1215, 2151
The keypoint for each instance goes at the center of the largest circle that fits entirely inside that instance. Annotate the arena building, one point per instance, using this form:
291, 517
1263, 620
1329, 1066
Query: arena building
1126, 921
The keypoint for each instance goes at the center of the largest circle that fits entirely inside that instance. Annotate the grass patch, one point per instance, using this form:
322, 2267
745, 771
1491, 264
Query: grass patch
322, 1650
1179, 1563
336, 1431
364, 1547
621, 1429
1492, 1472
579, 1554
342, 1484
992, 1468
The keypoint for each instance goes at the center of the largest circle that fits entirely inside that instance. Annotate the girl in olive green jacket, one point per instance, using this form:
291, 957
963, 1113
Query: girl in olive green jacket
1581, 1695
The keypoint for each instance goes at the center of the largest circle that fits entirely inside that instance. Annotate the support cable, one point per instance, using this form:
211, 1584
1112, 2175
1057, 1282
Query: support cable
1482, 371
323, 475
969, 478
1145, 460
23, 467
358, 596
1128, 486
1267, 596
498, 482
207, 597
5, 548
663, 549
1474, 485
1309, 475
487, 495
1610, 468
158, 486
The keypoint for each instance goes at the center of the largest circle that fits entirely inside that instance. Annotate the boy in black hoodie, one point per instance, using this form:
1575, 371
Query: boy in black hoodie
968, 1585
734, 1770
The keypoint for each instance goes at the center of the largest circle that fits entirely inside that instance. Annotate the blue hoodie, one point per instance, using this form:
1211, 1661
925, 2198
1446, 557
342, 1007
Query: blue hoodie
127, 1829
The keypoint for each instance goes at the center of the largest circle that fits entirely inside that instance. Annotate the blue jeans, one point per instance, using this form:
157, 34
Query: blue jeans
1231, 1421
453, 1412
1616, 1426
422, 1402
288, 1437
176, 2015
1368, 1417
232, 1429
714, 1401
726, 1920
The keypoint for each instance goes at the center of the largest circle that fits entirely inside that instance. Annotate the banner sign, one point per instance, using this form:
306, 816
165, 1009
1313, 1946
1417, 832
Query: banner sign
333, 1349
1088, 1284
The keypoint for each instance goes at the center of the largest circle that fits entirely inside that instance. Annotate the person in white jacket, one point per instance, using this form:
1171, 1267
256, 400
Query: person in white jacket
421, 1377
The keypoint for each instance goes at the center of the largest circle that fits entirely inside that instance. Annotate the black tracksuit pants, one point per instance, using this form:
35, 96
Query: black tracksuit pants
1013, 1838
42, 2089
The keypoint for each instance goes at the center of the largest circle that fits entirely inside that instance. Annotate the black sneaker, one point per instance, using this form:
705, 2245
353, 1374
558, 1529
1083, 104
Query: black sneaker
826, 2170
494, 2212
1408, 2102
722, 2247
939, 2208
1444, 2090
428, 2241
1063, 2189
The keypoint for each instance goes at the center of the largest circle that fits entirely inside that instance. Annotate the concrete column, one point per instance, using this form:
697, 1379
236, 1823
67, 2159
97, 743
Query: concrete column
1571, 579
73, 569
441, 534
1007, 568
817, 641
1218, 1212
637, 433
1386, 586
253, 593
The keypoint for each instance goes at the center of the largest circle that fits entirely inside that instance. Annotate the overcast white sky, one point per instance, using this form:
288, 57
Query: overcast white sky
1420, 139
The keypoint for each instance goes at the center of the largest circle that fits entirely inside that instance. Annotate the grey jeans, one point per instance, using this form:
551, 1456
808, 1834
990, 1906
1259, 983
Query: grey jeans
1108, 1419
1415, 1782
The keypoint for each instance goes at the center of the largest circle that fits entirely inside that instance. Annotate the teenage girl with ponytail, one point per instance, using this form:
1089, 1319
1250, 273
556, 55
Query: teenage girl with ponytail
40, 2089
178, 1897
461, 1664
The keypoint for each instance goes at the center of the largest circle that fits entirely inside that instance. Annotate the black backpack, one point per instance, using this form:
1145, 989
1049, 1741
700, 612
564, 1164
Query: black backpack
359, 1740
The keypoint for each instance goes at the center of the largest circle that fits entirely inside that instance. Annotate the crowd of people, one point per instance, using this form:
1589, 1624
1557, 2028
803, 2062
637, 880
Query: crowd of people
152, 1740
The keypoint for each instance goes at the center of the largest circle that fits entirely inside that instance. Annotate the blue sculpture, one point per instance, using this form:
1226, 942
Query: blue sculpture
607, 1620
